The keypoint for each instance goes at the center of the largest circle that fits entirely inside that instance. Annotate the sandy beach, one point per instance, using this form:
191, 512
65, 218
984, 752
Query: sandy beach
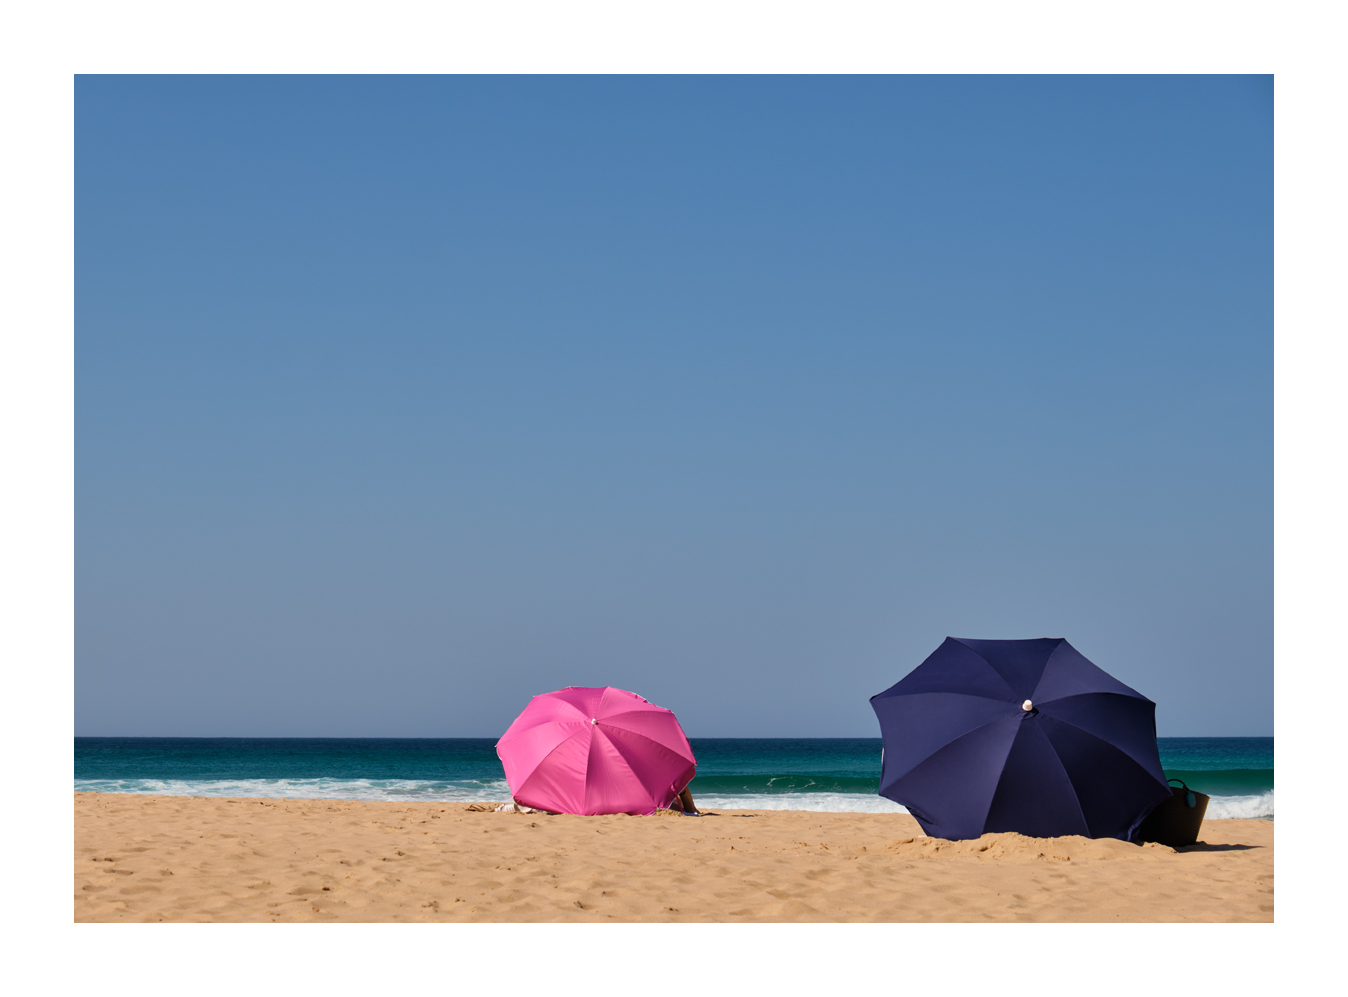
164, 858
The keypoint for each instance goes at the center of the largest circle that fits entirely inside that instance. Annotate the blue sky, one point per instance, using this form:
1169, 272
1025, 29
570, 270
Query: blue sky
399, 400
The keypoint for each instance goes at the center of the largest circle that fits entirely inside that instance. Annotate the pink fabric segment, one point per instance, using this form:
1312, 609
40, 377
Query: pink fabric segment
595, 751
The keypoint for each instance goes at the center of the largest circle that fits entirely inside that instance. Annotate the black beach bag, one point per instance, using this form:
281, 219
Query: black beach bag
1177, 820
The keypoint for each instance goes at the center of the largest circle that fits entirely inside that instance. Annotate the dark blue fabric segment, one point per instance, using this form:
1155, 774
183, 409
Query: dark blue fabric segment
925, 722
951, 791
963, 757
1069, 673
953, 667
1127, 722
1115, 792
1020, 663
1034, 795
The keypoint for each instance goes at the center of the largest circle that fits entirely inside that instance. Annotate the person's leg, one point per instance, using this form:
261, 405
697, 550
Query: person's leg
686, 801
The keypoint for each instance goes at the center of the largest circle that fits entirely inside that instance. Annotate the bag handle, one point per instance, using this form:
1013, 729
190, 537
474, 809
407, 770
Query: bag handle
1189, 797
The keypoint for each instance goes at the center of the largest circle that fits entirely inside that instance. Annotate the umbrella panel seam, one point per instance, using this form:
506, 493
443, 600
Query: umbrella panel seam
1093, 692
998, 671
552, 697
625, 713
947, 744
647, 737
942, 748
1061, 767
1009, 700
557, 747
618, 747
663, 747
1108, 744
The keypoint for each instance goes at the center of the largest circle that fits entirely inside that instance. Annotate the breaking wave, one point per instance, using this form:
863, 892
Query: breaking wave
496, 790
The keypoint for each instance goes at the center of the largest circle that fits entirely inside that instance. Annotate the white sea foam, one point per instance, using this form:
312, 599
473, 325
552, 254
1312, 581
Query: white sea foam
817, 802
475, 791
1227, 807
309, 789
1219, 807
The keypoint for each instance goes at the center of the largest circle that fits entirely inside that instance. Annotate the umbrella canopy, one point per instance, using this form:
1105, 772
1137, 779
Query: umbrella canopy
595, 751
1018, 735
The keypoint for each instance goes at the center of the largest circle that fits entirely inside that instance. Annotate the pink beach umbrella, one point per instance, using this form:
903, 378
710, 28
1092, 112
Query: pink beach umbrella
595, 751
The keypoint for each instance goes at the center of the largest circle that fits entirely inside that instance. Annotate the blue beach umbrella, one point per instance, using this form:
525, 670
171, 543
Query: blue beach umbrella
1019, 735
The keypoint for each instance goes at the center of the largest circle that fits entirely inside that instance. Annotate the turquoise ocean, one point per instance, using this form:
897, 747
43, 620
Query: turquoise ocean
824, 774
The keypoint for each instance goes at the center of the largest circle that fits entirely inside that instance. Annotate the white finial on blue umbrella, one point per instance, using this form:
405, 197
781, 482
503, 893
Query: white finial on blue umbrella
1027, 706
